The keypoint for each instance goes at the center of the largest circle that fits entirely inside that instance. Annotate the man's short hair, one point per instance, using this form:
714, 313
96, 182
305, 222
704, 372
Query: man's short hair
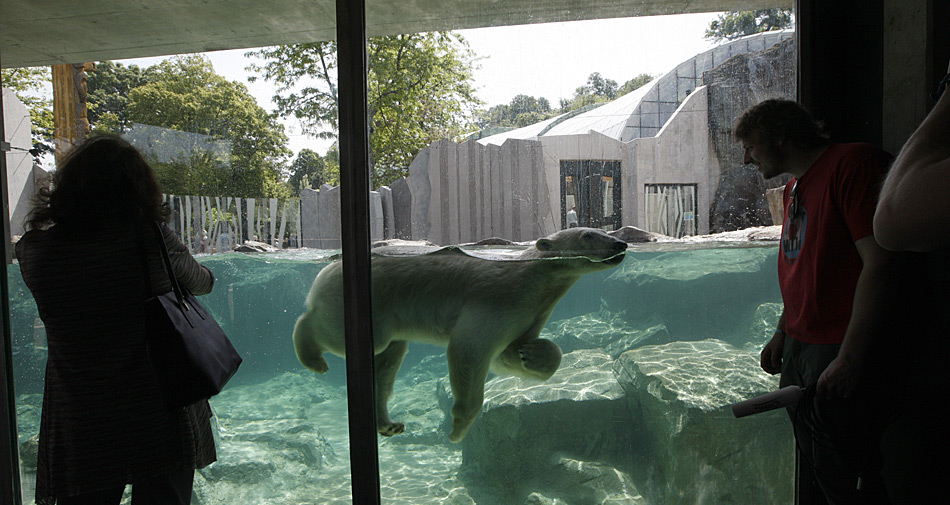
780, 120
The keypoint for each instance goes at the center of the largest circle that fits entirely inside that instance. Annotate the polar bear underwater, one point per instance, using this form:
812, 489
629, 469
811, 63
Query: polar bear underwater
488, 313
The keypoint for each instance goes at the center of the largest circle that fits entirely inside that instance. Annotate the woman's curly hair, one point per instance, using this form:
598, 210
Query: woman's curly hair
103, 179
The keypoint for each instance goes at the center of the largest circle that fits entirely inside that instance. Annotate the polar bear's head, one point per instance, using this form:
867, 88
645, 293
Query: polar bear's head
590, 243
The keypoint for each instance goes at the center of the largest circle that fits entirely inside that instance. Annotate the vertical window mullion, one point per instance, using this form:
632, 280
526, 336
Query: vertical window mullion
354, 187
9, 459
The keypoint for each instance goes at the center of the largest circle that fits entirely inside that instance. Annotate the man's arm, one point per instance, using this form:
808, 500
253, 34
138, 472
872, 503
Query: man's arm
770, 359
876, 285
914, 207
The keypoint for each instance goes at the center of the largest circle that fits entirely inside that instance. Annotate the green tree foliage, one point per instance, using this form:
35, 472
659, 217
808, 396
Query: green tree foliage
310, 170
735, 24
635, 83
596, 90
31, 85
107, 97
521, 111
185, 94
419, 91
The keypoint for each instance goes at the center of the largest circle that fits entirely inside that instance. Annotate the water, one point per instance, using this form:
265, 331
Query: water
655, 351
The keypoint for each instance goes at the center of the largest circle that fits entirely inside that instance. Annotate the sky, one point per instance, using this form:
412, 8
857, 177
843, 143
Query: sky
547, 60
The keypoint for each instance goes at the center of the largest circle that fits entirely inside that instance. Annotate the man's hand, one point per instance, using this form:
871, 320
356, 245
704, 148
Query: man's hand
839, 380
771, 357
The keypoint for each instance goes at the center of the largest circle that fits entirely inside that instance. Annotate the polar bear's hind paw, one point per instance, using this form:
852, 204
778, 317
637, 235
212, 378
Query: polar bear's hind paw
390, 429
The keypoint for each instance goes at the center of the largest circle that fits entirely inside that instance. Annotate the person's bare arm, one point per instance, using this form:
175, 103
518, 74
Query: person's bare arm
914, 205
875, 287
770, 359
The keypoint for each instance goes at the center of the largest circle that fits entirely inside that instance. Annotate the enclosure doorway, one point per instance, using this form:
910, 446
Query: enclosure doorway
671, 209
592, 188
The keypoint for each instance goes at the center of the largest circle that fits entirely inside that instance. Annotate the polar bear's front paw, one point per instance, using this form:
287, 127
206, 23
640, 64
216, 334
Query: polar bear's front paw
541, 357
391, 428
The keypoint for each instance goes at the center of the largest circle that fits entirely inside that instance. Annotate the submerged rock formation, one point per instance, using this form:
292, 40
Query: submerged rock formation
650, 427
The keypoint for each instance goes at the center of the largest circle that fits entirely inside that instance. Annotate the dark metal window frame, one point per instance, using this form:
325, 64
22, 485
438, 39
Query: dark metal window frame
9, 454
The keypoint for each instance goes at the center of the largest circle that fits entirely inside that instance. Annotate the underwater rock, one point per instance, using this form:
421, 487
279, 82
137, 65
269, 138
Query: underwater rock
540, 499
684, 290
417, 405
605, 331
288, 396
431, 367
256, 300
581, 482
28, 411
268, 440
258, 461
526, 428
29, 450
682, 392
763, 326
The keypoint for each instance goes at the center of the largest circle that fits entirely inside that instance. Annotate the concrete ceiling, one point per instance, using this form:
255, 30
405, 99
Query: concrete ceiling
47, 32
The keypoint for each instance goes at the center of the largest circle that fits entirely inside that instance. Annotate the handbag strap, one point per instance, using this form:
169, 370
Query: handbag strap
176, 287
167, 265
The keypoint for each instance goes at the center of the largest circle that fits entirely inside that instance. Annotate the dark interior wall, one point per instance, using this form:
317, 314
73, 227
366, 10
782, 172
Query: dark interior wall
938, 21
867, 67
841, 67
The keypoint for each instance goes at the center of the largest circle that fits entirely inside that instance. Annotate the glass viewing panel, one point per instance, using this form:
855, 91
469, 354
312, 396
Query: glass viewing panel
483, 141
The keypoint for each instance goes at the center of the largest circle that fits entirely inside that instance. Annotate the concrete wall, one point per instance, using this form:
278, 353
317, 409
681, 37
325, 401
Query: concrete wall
21, 183
320, 217
665, 160
468, 192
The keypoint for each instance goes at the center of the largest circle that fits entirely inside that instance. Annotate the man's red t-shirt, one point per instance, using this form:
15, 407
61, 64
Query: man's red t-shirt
819, 265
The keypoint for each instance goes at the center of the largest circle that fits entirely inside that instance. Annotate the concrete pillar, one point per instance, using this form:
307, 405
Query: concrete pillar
402, 209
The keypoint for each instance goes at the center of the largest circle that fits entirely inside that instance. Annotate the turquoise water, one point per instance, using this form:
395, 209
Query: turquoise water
655, 351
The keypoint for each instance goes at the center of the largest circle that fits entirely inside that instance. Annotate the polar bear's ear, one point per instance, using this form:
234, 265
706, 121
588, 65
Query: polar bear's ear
544, 244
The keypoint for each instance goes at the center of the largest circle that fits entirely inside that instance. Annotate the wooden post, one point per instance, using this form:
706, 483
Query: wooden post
69, 106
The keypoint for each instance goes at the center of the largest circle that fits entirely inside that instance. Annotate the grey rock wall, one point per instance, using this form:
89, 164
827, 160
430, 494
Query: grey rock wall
737, 84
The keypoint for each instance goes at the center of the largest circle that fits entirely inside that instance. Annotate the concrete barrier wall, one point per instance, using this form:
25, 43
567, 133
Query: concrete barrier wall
467, 192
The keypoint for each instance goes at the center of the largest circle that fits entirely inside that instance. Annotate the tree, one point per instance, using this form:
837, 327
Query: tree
598, 86
30, 85
419, 91
635, 83
735, 24
521, 111
310, 170
186, 95
107, 97
595, 90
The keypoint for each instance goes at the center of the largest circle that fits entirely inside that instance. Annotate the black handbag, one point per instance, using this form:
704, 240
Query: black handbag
191, 355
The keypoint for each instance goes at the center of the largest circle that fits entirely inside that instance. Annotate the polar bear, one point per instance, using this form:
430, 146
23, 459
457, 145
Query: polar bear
488, 313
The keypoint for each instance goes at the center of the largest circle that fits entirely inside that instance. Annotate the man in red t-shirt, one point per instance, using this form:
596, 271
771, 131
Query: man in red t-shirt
834, 279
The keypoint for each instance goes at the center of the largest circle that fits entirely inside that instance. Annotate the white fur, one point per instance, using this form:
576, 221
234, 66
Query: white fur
488, 313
